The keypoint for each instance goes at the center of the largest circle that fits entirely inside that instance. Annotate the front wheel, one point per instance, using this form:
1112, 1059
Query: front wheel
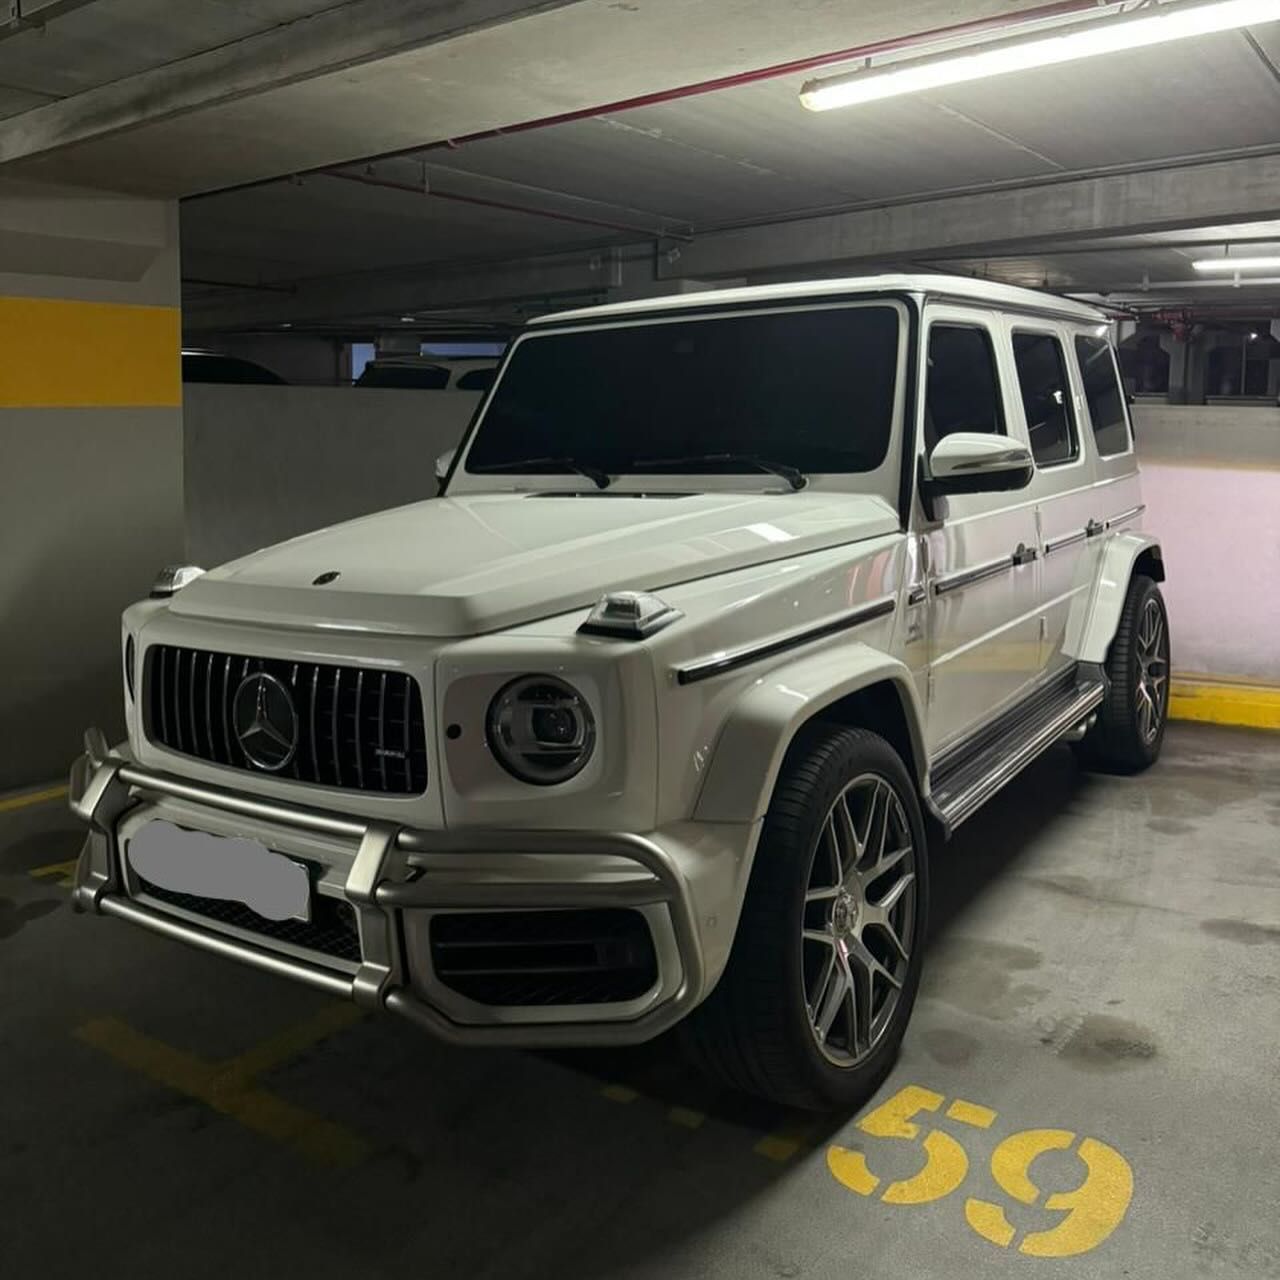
818, 990
1129, 731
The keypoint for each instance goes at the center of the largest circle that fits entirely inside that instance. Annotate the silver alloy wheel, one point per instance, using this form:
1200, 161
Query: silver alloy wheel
859, 920
1152, 691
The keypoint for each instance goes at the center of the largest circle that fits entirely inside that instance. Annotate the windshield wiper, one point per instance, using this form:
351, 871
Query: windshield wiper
601, 479
792, 475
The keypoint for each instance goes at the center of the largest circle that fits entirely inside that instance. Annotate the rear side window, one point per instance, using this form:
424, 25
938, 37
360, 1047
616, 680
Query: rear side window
1103, 395
963, 390
1046, 397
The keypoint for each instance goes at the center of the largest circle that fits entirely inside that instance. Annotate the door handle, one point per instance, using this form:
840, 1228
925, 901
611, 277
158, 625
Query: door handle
1093, 528
1024, 554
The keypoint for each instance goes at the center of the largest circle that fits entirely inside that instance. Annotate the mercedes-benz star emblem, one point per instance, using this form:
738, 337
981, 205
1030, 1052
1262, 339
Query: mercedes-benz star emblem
266, 721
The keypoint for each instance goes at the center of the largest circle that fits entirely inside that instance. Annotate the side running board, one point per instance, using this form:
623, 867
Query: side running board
965, 777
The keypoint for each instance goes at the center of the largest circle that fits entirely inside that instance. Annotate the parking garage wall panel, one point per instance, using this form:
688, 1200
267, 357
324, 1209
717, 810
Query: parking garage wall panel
265, 463
91, 441
1211, 482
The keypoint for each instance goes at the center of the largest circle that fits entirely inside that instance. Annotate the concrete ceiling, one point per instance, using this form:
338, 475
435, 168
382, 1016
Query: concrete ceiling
745, 162
1107, 176
96, 43
370, 76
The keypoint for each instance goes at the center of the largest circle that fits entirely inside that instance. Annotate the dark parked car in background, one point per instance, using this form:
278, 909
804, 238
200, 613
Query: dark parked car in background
213, 366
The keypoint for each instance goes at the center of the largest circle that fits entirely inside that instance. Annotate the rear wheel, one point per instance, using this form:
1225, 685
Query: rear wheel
826, 963
1130, 727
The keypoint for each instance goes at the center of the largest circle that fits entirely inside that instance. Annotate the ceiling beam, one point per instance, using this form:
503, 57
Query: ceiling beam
346, 35
537, 281
1213, 193
976, 225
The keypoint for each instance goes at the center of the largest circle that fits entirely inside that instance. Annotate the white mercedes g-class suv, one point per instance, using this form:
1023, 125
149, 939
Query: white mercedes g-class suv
730, 600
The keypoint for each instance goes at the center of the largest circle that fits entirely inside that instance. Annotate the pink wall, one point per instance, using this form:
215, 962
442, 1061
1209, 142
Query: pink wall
1211, 482
1220, 530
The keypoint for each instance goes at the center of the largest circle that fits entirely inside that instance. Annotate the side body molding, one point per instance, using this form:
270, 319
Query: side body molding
760, 728
1090, 637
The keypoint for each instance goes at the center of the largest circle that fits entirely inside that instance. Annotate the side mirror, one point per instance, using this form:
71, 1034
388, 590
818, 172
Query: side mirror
443, 463
977, 462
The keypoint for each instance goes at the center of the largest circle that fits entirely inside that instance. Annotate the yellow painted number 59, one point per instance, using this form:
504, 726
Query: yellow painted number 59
1093, 1210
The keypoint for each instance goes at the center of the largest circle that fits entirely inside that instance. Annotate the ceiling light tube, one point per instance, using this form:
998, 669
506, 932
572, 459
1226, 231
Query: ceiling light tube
1271, 263
1146, 26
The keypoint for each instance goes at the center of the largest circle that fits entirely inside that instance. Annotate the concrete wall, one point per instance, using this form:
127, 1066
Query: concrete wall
90, 437
1211, 480
267, 463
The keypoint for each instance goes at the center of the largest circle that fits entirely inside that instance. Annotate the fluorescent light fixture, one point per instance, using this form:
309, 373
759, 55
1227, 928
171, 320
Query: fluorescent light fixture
1145, 26
1270, 263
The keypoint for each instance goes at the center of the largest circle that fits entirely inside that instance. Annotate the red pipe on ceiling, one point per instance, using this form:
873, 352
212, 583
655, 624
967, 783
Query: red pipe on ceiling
795, 67
1058, 8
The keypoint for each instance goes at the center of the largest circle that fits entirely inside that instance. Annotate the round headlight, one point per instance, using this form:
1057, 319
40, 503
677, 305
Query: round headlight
541, 729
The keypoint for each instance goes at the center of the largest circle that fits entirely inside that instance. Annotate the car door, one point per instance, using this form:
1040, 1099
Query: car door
982, 580
1062, 486
1114, 500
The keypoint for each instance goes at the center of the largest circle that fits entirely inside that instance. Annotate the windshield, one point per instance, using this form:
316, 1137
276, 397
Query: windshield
806, 389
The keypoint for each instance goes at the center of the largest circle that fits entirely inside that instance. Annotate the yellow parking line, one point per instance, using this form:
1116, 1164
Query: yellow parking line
786, 1140
686, 1116
776, 1147
64, 871
29, 798
1222, 702
290, 1042
230, 1093
619, 1093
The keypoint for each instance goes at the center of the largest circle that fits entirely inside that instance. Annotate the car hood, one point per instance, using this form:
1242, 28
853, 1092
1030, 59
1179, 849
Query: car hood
468, 565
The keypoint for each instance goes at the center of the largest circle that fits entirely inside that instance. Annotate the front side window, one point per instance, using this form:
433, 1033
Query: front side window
1103, 395
963, 389
1046, 397
809, 389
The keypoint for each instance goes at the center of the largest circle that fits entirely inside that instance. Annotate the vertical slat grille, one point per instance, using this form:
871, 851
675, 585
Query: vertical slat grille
356, 729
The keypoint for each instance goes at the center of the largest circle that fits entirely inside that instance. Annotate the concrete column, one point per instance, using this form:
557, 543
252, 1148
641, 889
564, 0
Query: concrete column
1178, 364
91, 438
1197, 370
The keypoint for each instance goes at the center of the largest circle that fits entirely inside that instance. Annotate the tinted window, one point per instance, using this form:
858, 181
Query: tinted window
476, 380
809, 389
963, 389
1046, 397
1103, 395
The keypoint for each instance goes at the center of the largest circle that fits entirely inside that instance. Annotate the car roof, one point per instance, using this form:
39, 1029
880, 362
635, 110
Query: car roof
986, 292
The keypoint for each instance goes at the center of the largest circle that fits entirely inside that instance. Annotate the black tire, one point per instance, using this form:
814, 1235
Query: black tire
1119, 742
754, 1032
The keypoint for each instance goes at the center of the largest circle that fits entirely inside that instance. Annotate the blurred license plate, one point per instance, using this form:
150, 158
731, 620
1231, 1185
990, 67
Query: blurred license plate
232, 869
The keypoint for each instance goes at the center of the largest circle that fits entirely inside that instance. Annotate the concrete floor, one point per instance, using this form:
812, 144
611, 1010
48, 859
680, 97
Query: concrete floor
1106, 961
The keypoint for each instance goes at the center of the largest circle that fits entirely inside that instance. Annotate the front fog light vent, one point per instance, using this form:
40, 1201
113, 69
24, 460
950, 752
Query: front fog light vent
541, 729
629, 615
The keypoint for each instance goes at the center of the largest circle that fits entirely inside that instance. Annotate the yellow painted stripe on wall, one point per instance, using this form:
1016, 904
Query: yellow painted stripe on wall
56, 353
1218, 702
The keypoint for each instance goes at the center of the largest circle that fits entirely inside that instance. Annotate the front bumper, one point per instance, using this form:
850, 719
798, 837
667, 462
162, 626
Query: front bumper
393, 877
